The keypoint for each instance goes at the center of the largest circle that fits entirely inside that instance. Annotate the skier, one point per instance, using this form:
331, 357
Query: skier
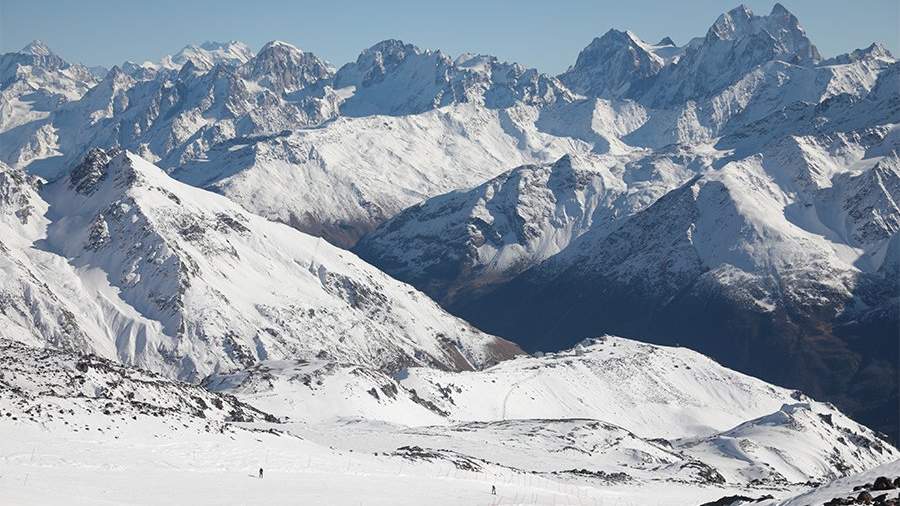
260, 473
493, 489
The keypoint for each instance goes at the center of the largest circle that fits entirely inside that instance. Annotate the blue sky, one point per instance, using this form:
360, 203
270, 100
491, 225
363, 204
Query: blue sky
546, 34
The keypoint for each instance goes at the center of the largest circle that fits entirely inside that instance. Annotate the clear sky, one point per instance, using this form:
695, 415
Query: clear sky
546, 34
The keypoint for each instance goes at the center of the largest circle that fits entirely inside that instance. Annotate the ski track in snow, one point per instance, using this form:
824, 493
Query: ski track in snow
513, 388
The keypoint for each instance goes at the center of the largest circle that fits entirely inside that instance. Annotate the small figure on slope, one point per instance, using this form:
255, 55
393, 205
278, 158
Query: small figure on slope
260, 473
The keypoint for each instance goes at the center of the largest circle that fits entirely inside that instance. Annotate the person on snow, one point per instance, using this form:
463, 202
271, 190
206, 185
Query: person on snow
493, 489
260, 473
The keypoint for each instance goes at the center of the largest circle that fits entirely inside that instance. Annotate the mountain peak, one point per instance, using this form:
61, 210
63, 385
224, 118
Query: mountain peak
87, 175
285, 68
375, 62
278, 45
779, 10
614, 35
875, 50
210, 45
732, 24
780, 25
37, 48
611, 63
666, 41
392, 46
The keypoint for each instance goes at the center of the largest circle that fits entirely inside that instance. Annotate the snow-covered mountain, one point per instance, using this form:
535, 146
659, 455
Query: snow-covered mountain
121, 260
742, 173
489, 234
649, 414
610, 65
737, 195
231, 127
750, 108
34, 82
395, 78
787, 269
735, 44
209, 54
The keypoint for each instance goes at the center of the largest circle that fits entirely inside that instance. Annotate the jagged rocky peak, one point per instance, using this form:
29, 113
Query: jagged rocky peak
284, 68
781, 26
396, 78
37, 54
611, 64
875, 51
870, 201
374, 63
36, 48
736, 44
118, 80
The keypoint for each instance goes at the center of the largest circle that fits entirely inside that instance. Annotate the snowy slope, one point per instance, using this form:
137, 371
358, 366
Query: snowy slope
42, 300
83, 429
73, 415
651, 390
318, 391
630, 413
341, 193
187, 282
805, 441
